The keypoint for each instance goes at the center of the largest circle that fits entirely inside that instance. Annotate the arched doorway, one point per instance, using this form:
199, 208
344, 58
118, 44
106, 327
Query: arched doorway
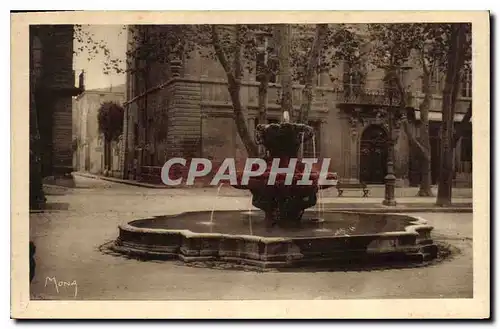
373, 155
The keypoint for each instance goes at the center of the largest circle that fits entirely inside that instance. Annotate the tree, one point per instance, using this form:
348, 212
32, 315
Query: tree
312, 67
424, 44
319, 49
266, 61
284, 37
312, 49
234, 78
393, 46
234, 47
110, 122
456, 55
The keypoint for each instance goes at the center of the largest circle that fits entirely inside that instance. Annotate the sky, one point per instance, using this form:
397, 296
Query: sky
116, 39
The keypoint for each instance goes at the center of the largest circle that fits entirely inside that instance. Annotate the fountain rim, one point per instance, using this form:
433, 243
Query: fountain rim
412, 229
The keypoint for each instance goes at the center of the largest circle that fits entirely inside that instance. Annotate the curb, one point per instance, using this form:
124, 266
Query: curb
121, 181
331, 206
134, 183
404, 210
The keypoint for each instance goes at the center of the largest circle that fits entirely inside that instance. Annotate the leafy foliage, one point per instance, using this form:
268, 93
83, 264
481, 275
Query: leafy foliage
110, 120
426, 45
395, 45
342, 43
239, 48
163, 43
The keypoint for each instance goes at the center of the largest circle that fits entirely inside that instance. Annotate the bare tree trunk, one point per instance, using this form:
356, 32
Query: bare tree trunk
462, 126
406, 128
264, 82
425, 165
311, 69
262, 116
455, 62
234, 86
285, 69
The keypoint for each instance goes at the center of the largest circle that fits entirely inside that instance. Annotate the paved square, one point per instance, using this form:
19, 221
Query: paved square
68, 243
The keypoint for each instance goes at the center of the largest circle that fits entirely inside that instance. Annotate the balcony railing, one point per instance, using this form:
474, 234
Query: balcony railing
216, 92
358, 94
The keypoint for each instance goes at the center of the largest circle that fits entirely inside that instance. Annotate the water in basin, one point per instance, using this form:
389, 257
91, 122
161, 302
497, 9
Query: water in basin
254, 223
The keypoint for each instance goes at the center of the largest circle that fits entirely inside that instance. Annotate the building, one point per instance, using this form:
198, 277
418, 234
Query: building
52, 86
90, 152
182, 107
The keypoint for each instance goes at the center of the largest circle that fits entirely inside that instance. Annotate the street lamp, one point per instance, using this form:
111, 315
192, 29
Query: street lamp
390, 178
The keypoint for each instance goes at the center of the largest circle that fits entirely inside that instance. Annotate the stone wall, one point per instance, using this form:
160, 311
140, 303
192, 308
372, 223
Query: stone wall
55, 88
197, 105
184, 131
90, 150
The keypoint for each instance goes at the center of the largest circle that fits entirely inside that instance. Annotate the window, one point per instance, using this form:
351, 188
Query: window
300, 73
319, 71
136, 134
352, 79
436, 80
263, 61
466, 84
466, 149
466, 146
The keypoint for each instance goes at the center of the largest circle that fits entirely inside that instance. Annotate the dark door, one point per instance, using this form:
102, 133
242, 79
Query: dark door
415, 164
87, 158
373, 155
434, 134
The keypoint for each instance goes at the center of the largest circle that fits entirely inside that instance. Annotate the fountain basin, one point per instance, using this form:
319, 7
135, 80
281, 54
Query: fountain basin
338, 238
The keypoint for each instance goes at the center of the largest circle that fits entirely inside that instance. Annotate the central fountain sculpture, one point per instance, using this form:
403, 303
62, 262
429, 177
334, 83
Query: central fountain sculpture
338, 238
284, 203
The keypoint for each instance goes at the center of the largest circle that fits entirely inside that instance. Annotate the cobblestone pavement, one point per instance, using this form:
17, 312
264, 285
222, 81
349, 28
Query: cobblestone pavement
68, 243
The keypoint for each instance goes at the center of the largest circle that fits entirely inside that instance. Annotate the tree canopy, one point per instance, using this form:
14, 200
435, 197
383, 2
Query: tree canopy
110, 120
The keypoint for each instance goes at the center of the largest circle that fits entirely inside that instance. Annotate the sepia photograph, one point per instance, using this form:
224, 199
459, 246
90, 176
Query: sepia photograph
300, 165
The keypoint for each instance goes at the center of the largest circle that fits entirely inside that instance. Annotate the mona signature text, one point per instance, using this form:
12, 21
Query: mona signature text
61, 285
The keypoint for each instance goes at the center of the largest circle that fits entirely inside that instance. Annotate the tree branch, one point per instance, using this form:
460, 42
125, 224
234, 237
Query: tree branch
234, 92
312, 64
424, 65
221, 56
285, 69
406, 127
237, 55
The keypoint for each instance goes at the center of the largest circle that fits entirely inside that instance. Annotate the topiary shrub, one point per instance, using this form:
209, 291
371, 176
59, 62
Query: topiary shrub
110, 120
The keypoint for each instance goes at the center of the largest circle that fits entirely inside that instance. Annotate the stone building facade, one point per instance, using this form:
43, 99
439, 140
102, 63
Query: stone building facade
51, 90
90, 152
182, 108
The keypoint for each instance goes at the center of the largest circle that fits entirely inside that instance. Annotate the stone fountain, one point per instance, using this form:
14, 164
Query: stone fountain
334, 239
284, 203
